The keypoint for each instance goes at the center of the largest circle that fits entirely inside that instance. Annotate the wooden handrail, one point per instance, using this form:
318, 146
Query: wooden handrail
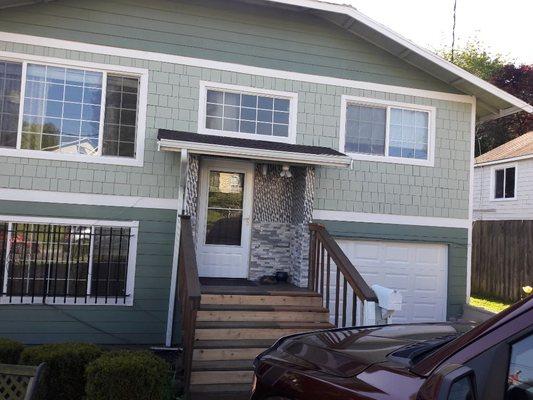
189, 294
323, 250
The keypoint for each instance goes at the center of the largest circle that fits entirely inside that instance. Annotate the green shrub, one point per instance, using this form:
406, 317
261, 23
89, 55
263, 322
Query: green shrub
10, 351
65, 372
127, 375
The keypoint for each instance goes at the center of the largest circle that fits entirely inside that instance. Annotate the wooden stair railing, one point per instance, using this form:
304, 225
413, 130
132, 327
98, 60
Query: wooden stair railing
189, 294
332, 274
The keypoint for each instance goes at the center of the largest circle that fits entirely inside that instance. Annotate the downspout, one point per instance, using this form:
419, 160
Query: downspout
184, 166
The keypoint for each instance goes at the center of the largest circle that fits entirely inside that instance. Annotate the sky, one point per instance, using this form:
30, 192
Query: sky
503, 26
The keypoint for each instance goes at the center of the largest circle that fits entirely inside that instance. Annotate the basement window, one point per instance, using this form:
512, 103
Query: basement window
67, 263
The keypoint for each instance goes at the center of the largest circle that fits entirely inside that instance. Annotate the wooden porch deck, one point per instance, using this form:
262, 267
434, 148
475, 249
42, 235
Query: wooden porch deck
244, 287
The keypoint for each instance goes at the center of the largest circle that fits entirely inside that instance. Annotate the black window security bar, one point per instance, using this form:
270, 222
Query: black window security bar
63, 264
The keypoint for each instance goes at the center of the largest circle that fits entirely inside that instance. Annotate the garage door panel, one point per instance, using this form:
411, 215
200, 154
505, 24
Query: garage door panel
417, 270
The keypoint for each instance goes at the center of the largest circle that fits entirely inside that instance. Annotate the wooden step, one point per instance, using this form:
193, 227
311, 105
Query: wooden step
221, 377
254, 330
226, 365
229, 349
220, 392
308, 299
233, 312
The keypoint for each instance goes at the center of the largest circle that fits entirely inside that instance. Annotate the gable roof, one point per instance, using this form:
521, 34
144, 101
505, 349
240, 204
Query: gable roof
521, 147
492, 102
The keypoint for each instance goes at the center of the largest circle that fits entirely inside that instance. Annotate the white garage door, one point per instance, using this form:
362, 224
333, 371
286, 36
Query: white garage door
418, 271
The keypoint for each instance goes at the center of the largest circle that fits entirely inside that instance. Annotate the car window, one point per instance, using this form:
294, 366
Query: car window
462, 389
520, 377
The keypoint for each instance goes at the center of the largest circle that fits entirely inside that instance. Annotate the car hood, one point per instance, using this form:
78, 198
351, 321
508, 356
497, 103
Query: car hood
349, 351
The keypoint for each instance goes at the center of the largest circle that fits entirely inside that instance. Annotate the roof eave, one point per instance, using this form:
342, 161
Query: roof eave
285, 157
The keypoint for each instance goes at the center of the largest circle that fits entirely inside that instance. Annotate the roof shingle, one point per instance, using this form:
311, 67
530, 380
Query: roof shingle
519, 147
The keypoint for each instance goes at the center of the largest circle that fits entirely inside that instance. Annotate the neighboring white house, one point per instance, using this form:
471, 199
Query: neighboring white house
503, 181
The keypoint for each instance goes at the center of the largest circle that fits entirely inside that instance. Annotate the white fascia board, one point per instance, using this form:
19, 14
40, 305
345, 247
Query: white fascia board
439, 61
255, 154
504, 161
348, 216
227, 66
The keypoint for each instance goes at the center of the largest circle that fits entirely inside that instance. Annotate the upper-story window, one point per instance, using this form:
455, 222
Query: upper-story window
234, 111
70, 113
377, 130
504, 183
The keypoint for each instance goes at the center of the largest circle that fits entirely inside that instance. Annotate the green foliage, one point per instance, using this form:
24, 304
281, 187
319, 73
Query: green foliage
66, 363
10, 351
491, 305
128, 375
476, 60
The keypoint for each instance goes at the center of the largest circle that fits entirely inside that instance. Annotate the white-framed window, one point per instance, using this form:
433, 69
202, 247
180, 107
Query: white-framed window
245, 112
380, 130
71, 110
66, 261
503, 182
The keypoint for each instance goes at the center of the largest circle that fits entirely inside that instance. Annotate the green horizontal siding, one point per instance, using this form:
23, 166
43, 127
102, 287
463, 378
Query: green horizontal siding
230, 31
142, 323
455, 238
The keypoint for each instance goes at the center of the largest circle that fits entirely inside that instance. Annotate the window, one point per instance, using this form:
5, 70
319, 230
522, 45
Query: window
520, 376
66, 264
376, 130
462, 389
504, 183
248, 113
71, 112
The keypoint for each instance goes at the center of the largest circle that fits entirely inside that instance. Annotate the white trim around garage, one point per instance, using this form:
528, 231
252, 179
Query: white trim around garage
226, 66
349, 216
42, 196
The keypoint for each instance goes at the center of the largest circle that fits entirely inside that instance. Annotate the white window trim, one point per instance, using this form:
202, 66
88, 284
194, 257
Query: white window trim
140, 73
493, 170
429, 162
132, 259
202, 111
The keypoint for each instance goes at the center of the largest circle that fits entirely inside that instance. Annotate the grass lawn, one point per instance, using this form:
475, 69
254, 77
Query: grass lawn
491, 305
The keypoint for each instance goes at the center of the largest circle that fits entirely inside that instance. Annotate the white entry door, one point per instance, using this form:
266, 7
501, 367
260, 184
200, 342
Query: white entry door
418, 270
224, 218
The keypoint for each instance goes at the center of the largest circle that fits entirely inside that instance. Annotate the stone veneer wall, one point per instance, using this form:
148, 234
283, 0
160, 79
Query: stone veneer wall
191, 190
282, 209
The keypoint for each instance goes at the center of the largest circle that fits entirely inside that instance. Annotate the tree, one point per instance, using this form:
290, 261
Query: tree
516, 80
476, 60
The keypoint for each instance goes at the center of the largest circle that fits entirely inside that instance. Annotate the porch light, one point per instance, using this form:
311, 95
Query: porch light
285, 171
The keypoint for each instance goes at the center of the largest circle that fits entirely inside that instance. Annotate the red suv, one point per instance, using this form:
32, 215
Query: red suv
445, 361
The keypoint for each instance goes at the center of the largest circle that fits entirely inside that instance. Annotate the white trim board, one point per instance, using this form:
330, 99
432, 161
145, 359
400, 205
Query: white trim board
348, 216
504, 160
226, 66
42, 196
286, 157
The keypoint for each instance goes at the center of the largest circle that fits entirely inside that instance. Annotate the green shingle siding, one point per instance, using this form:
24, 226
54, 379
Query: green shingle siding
440, 191
142, 323
224, 31
455, 238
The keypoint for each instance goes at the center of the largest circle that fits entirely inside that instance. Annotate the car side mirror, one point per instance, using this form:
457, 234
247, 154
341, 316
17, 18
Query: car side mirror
452, 382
